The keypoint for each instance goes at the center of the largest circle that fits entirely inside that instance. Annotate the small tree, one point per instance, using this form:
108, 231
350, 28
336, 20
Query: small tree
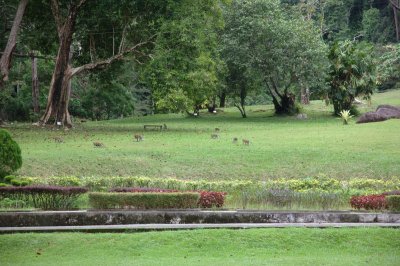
10, 154
351, 74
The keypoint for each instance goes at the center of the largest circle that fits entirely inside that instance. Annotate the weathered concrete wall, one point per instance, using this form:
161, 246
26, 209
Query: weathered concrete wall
117, 217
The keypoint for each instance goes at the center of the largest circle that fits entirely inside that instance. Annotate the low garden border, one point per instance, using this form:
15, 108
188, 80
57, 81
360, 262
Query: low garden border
120, 217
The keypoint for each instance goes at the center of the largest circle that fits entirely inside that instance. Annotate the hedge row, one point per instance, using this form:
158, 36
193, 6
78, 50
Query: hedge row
354, 186
44, 197
111, 200
208, 199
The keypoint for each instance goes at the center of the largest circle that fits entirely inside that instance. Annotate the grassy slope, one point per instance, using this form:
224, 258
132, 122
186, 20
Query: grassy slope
280, 146
293, 246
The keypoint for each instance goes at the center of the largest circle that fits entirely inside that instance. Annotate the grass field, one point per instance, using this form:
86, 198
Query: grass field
294, 246
279, 146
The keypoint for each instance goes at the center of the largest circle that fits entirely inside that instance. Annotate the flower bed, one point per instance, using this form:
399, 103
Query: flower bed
386, 200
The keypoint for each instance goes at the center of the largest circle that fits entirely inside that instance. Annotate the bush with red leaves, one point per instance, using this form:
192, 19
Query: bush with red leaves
370, 202
209, 199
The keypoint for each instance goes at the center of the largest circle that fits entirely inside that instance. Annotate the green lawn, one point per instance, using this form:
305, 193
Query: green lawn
279, 146
294, 246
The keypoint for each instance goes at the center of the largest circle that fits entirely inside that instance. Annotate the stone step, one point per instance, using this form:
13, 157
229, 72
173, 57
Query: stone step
160, 227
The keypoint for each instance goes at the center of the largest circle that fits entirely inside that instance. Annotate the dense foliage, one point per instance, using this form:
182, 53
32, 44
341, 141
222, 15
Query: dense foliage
146, 200
45, 197
351, 74
10, 154
242, 52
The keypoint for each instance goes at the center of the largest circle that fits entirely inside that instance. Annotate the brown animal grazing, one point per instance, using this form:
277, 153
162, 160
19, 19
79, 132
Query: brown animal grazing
58, 139
98, 144
216, 129
138, 137
235, 140
246, 142
214, 136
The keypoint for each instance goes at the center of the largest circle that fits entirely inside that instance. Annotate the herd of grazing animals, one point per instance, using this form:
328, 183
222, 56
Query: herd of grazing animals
139, 138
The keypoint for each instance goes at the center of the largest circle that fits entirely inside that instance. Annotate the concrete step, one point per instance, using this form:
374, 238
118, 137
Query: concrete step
160, 227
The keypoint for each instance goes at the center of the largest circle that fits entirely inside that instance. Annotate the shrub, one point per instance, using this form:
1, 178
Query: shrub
146, 200
10, 154
346, 116
370, 202
142, 190
209, 199
45, 197
9, 178
393, 203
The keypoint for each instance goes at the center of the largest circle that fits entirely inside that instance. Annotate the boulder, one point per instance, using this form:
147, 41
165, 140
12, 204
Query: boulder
382, 113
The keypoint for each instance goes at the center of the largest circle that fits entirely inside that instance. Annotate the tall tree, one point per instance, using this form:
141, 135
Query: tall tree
59, 93
186, 60
286, 51
5, 60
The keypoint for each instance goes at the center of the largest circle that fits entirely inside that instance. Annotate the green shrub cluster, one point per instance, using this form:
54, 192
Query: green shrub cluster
355, 186
10, 154
393, 203
111, 200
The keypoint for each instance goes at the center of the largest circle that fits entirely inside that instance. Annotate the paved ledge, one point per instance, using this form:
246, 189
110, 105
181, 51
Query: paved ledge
129, 217
161, 227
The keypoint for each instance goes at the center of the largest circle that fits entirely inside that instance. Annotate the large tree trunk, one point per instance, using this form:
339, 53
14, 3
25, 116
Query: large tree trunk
58, 99
305, 96
284, 103
396, 23
5, 61
35, 86
222, 99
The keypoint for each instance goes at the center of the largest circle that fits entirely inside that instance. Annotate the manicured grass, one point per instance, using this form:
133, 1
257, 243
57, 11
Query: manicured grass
279, 146
294, 246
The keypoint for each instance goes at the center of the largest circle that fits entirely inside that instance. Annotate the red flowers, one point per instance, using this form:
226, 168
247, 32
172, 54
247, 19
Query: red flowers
370, 202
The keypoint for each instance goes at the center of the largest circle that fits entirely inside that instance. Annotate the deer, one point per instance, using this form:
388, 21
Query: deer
98, 144
58, 139
214, 136
138, 137
246, 142
217, 129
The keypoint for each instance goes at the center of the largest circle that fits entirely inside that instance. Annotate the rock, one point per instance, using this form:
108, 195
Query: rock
302, 116
382, 113
371, 117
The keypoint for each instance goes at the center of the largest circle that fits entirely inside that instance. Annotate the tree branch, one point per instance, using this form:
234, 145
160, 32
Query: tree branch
393, 3
108, 61
55, 9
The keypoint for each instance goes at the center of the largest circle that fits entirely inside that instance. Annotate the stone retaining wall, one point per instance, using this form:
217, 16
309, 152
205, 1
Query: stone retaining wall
119, 217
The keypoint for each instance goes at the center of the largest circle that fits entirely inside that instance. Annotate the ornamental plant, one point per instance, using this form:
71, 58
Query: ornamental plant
369, 202
44, 197
10, 154
346, 116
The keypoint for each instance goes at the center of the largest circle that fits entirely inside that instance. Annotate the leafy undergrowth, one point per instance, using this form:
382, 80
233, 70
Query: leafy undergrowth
289, 246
